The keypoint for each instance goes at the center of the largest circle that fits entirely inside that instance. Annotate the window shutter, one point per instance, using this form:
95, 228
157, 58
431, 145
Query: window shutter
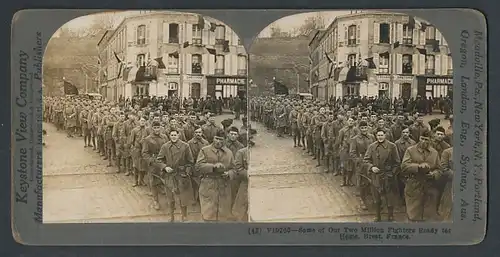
399, 63
189, 33
234, 64
400, 33
211, 37
228, 35
165, 32
227, 64
415, 36
444, 64
376, 33
376, 60
147, 33
358, 34
439, 37
205, 64
211, 64
392, 33
204, 36
437, 64
414, 66
444, 40
422, 37
421, 67
346, 35
450, 62
188, 61
134, 39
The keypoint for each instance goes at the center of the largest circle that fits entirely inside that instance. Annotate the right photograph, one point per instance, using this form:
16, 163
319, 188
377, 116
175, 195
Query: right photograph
352, 117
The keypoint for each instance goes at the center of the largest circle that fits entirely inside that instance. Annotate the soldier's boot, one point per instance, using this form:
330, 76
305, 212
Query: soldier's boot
390, 213
344, 179
136, 177
184, 213
318, 157
294, 141
327, 165
363, 194
303, 143
171, 212
126, 167
142, 175
349, 179
378, 210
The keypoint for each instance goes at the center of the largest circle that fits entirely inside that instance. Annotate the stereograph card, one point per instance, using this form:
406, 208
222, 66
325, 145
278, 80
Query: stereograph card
249, 127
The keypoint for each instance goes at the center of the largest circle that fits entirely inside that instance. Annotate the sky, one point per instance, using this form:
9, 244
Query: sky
291, 22
286, 24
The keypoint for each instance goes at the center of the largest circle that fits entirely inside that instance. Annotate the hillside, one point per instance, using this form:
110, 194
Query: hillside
279, 57
68, 57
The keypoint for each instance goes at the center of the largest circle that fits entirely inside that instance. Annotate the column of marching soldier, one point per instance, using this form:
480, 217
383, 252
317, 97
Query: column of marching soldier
391, 158
185, 156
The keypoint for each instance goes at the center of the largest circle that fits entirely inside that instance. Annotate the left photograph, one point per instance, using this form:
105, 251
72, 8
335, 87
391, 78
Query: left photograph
145, 120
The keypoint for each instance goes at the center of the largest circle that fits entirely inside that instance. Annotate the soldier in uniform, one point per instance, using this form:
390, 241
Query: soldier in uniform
319, 146
135, 142
293, 118
358, 148
120, 141
109, 122
240, 173
151, 146
446, 171
234, 145
195, 144
328, 136
383, 159
438, 143
189, 126
280, 118
128, 126
214, 162
418, 128
85, 126
210, 129
420, 165
70, 119
402, 144
343, 142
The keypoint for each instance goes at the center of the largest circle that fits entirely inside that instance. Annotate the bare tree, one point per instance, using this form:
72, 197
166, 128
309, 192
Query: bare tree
311, 24
276, 31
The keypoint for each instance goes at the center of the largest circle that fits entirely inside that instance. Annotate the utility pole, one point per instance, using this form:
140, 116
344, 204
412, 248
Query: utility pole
298, 83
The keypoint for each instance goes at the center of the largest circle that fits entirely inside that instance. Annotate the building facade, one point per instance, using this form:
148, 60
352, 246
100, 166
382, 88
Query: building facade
170, 53
380, 54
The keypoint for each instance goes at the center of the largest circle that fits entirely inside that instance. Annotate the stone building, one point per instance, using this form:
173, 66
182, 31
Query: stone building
172, 53
380, 54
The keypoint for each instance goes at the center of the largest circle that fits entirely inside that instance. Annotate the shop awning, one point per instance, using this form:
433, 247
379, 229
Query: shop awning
194, 49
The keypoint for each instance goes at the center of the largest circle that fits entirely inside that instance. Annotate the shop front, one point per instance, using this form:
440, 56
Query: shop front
435, 86
226, 86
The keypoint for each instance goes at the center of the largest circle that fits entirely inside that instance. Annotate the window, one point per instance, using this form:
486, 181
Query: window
407, 64
195, 90
383, 65
141, 35
173, 33
450, 65
430, 33
385, 33
173, 64
197, 34
239, 42
429, 65
351, 35
242, 65
219, 64
141, 60
407, 35
351, 60
383, 89
220, 34
196, 64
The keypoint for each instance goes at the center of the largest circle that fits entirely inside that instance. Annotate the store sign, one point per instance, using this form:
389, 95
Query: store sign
230, 81
439, 81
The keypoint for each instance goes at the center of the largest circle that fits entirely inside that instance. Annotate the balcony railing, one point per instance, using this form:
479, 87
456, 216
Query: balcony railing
408, 41
171, 70
430, 71
407, 70
197, 41
242, 72
220, 41
351, 42
173, 40
141, 41
450, 72
383, 70
219, 71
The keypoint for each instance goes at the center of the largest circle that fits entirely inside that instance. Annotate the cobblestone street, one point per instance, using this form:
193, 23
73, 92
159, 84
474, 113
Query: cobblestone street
79, 188
285, 186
